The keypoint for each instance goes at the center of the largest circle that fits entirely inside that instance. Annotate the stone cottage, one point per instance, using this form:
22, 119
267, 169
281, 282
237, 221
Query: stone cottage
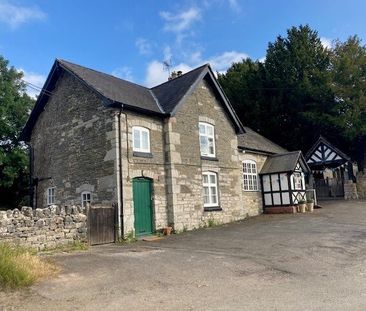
175, 154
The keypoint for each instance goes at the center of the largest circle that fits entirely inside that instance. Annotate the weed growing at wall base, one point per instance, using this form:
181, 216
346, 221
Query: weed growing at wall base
21, 267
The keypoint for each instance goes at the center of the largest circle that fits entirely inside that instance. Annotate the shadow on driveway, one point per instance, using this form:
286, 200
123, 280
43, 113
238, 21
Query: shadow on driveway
270, 262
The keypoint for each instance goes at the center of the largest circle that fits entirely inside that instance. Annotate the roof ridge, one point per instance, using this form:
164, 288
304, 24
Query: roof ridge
101, 72
286, 153
195, 69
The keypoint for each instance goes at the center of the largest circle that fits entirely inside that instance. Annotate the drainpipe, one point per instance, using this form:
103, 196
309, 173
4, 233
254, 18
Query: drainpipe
120, 203
31, 183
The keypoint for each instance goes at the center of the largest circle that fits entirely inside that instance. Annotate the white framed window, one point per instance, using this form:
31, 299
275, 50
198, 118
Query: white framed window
85, 198
297, 181
140, 139
51, 196
250, 175
207, 139
210, 193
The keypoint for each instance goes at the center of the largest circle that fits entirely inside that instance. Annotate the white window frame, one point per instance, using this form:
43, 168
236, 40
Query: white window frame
84, 199
250, 175
298, 181
51, 195
140, 130
210, 186
208, 137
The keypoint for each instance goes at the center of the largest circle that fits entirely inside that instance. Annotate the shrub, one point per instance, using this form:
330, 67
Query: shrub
20, 267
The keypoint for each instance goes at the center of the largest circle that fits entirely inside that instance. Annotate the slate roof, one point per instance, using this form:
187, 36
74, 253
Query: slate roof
163, 99
115, 89
252, 140
170, 93
285, 162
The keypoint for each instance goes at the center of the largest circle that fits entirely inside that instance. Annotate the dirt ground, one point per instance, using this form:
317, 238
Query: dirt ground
270, 262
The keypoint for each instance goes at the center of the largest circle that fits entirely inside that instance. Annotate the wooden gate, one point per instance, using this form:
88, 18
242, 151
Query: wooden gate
327, 189
102, 223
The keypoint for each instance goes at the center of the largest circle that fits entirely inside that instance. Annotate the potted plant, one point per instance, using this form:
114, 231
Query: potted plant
310, 205
302, 206
167, 230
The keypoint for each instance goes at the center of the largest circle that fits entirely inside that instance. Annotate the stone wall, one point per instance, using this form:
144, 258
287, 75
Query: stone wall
252, 200
185, 164
74, 146
361, 185
136, 165
350, 190
43, 228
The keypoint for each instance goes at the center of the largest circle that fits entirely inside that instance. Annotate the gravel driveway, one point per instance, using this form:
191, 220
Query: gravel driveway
270, 262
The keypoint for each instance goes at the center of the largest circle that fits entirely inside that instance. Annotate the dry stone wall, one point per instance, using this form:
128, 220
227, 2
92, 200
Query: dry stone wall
44, 228
361, 185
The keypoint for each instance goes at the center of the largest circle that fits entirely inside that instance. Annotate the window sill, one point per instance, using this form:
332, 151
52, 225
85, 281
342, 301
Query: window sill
142, 154
206, 158
212, 209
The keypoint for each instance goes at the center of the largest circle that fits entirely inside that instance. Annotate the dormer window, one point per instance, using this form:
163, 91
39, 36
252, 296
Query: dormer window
207, 139
141, 139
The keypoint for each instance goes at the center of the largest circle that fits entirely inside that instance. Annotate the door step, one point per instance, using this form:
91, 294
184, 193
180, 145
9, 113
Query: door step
152, 238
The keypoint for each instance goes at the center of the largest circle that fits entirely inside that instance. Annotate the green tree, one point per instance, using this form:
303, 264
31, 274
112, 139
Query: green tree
243, 84
289, 97
349, 86
299, 99
15, 105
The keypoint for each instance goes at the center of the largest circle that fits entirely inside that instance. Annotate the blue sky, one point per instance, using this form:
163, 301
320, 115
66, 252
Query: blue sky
130, 39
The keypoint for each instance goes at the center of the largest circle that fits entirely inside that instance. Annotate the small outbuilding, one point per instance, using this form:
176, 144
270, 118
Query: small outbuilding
283, 179
330, 169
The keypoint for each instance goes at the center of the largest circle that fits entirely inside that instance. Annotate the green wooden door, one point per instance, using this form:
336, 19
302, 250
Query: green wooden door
142, 206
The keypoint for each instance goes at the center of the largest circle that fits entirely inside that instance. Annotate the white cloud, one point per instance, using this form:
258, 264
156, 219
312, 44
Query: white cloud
35, 82
262, 59
156, 74
180, 23
144, 46
326, 42
15, 15
123, 72
167, 52
234, 5
223, 61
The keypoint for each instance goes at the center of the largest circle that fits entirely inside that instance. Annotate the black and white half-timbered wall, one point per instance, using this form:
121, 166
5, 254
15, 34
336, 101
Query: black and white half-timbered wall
330, 167
283, 179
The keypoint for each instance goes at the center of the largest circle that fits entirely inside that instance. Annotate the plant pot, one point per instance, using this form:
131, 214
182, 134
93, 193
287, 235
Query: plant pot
167, 230
310, 207
302, 207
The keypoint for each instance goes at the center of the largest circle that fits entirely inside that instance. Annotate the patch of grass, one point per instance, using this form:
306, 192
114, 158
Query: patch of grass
67, 248
129, 238
21, 267
211, 223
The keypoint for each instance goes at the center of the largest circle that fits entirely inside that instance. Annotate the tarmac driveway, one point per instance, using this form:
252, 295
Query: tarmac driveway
270, 262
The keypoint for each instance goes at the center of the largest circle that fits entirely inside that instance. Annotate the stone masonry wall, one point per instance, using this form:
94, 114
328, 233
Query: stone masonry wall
185, 164
361, 185
152, 167
252, 200
74, 146
43, 228
350, 190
